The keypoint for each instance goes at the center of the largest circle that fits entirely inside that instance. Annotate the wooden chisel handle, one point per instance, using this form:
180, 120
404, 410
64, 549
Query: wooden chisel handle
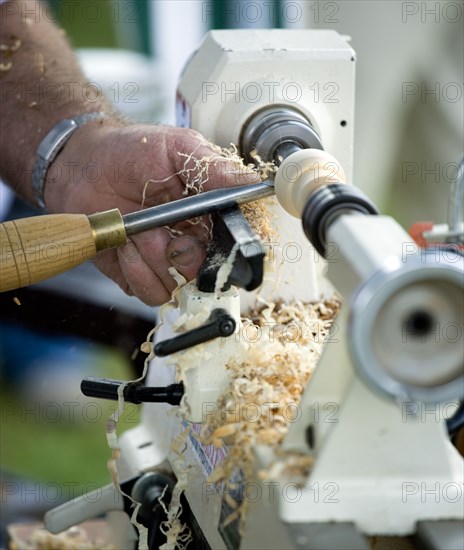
35, 249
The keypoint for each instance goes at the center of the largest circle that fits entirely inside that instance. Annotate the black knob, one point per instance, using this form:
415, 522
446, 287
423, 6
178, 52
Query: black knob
220, 323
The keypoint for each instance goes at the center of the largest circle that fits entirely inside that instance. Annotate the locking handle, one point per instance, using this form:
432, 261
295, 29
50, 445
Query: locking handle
220, 323
134, 392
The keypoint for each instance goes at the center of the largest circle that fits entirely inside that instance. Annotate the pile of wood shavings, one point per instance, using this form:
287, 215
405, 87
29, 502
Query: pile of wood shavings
258, 216
74, 538
266, 387
258, 213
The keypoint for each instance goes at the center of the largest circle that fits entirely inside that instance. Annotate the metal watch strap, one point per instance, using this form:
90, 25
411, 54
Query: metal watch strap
49, 148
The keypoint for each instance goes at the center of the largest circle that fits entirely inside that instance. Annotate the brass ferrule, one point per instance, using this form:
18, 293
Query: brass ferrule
108, 229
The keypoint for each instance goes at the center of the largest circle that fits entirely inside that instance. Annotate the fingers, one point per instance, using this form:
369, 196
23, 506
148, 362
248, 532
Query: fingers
126, 267
129, 268
142, 281
108, 263
145, 261
145, 266
141, 267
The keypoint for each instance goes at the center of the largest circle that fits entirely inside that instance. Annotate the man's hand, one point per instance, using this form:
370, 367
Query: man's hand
106, 166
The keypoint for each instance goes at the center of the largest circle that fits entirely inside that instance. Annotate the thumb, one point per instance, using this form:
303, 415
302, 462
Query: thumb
186, 254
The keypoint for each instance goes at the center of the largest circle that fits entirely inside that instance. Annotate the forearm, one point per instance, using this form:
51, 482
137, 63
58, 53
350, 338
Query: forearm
41, 83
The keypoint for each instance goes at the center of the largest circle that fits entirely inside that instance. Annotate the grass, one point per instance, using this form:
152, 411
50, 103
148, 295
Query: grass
38, 442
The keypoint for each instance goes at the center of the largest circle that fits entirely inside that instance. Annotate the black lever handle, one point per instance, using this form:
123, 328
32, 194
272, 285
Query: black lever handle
220, 323
134, 392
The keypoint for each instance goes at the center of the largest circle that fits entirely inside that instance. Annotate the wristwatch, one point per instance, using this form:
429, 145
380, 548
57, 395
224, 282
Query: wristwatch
49, 148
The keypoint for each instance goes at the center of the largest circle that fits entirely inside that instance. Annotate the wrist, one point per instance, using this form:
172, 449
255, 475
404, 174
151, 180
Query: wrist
49, 148
74, 173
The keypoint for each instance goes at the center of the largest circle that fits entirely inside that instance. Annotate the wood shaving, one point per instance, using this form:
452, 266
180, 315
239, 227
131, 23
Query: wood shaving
267, 383
10, 48
196, 170
32, 104
146, 347
5, 66
180, 279
40, 62
16, 45
225, 270
173, 232
178, 535
267, 170
195, 174
74, 538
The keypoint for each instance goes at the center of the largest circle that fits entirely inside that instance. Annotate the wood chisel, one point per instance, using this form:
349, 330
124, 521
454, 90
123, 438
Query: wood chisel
37, 248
